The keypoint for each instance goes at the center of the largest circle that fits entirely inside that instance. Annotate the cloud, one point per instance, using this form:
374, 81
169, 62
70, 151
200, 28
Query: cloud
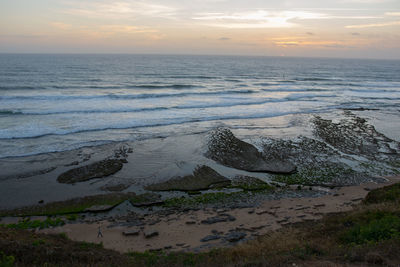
61, 25
224, 39
120, 10
355, 33
310, 33
126, 29
392, 14
256, 19
373, 25
367, 1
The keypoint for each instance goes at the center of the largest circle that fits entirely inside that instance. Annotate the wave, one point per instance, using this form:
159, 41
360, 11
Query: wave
175, 121
10, 112
290, 98
124, 96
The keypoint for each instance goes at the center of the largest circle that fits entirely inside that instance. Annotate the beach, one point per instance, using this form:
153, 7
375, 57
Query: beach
191, 163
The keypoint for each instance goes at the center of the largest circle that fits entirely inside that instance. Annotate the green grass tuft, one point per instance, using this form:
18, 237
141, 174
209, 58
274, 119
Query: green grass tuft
389, 193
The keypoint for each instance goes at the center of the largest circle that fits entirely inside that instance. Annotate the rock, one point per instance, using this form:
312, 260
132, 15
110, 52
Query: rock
190, 222
217, 219
209, 238
99, 208
114, 187
150, 233
95, 170
228, 150
201, 179
235, 236
146, 199
74, 163
180, 244
131, 232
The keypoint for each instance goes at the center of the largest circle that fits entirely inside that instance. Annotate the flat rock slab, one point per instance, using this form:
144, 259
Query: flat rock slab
146, 199
210, 238
99, 208
217, 219
230, 151
202, 178
150, 233
95, 170
131, 232
235, 236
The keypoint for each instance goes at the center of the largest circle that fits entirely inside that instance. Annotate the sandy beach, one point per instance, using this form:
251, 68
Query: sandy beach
184, 231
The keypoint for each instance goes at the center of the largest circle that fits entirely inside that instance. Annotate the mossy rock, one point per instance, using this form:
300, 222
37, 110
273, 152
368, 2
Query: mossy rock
95, 170
202, 178
146, 199
225, 148
249, 183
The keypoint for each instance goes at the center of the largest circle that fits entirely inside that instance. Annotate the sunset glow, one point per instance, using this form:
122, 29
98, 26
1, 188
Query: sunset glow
343, 28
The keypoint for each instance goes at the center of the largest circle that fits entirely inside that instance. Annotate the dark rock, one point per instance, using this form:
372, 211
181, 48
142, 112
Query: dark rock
228, 150
150, 233
131, 232
74, 163
217, 219
123, 160
146, 200
209, 238
114, 187
190, 222
202, 178
95, 170
235, 236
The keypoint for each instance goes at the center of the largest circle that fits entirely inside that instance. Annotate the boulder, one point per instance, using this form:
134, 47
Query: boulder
95, 170
225, 148
201, 179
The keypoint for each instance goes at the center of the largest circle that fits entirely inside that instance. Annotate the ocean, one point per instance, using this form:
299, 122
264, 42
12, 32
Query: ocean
59, 102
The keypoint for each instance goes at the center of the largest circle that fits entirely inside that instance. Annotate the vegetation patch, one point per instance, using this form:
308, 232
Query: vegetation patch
385, 194
383, 227
6, 261
28, 224
248, 183
75, 205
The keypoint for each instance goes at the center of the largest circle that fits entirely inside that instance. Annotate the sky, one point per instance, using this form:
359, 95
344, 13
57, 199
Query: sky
303, 28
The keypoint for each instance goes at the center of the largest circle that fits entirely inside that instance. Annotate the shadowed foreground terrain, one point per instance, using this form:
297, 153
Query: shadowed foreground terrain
368, 235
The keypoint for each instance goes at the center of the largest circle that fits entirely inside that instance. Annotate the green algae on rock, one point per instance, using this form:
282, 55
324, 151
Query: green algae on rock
95, 170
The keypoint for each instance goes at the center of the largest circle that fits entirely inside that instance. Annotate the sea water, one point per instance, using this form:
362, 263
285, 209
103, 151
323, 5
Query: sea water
55, 102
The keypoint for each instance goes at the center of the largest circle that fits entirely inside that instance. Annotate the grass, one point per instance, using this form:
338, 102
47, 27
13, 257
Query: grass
71, 206
6, 261
389, 193
28, 224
